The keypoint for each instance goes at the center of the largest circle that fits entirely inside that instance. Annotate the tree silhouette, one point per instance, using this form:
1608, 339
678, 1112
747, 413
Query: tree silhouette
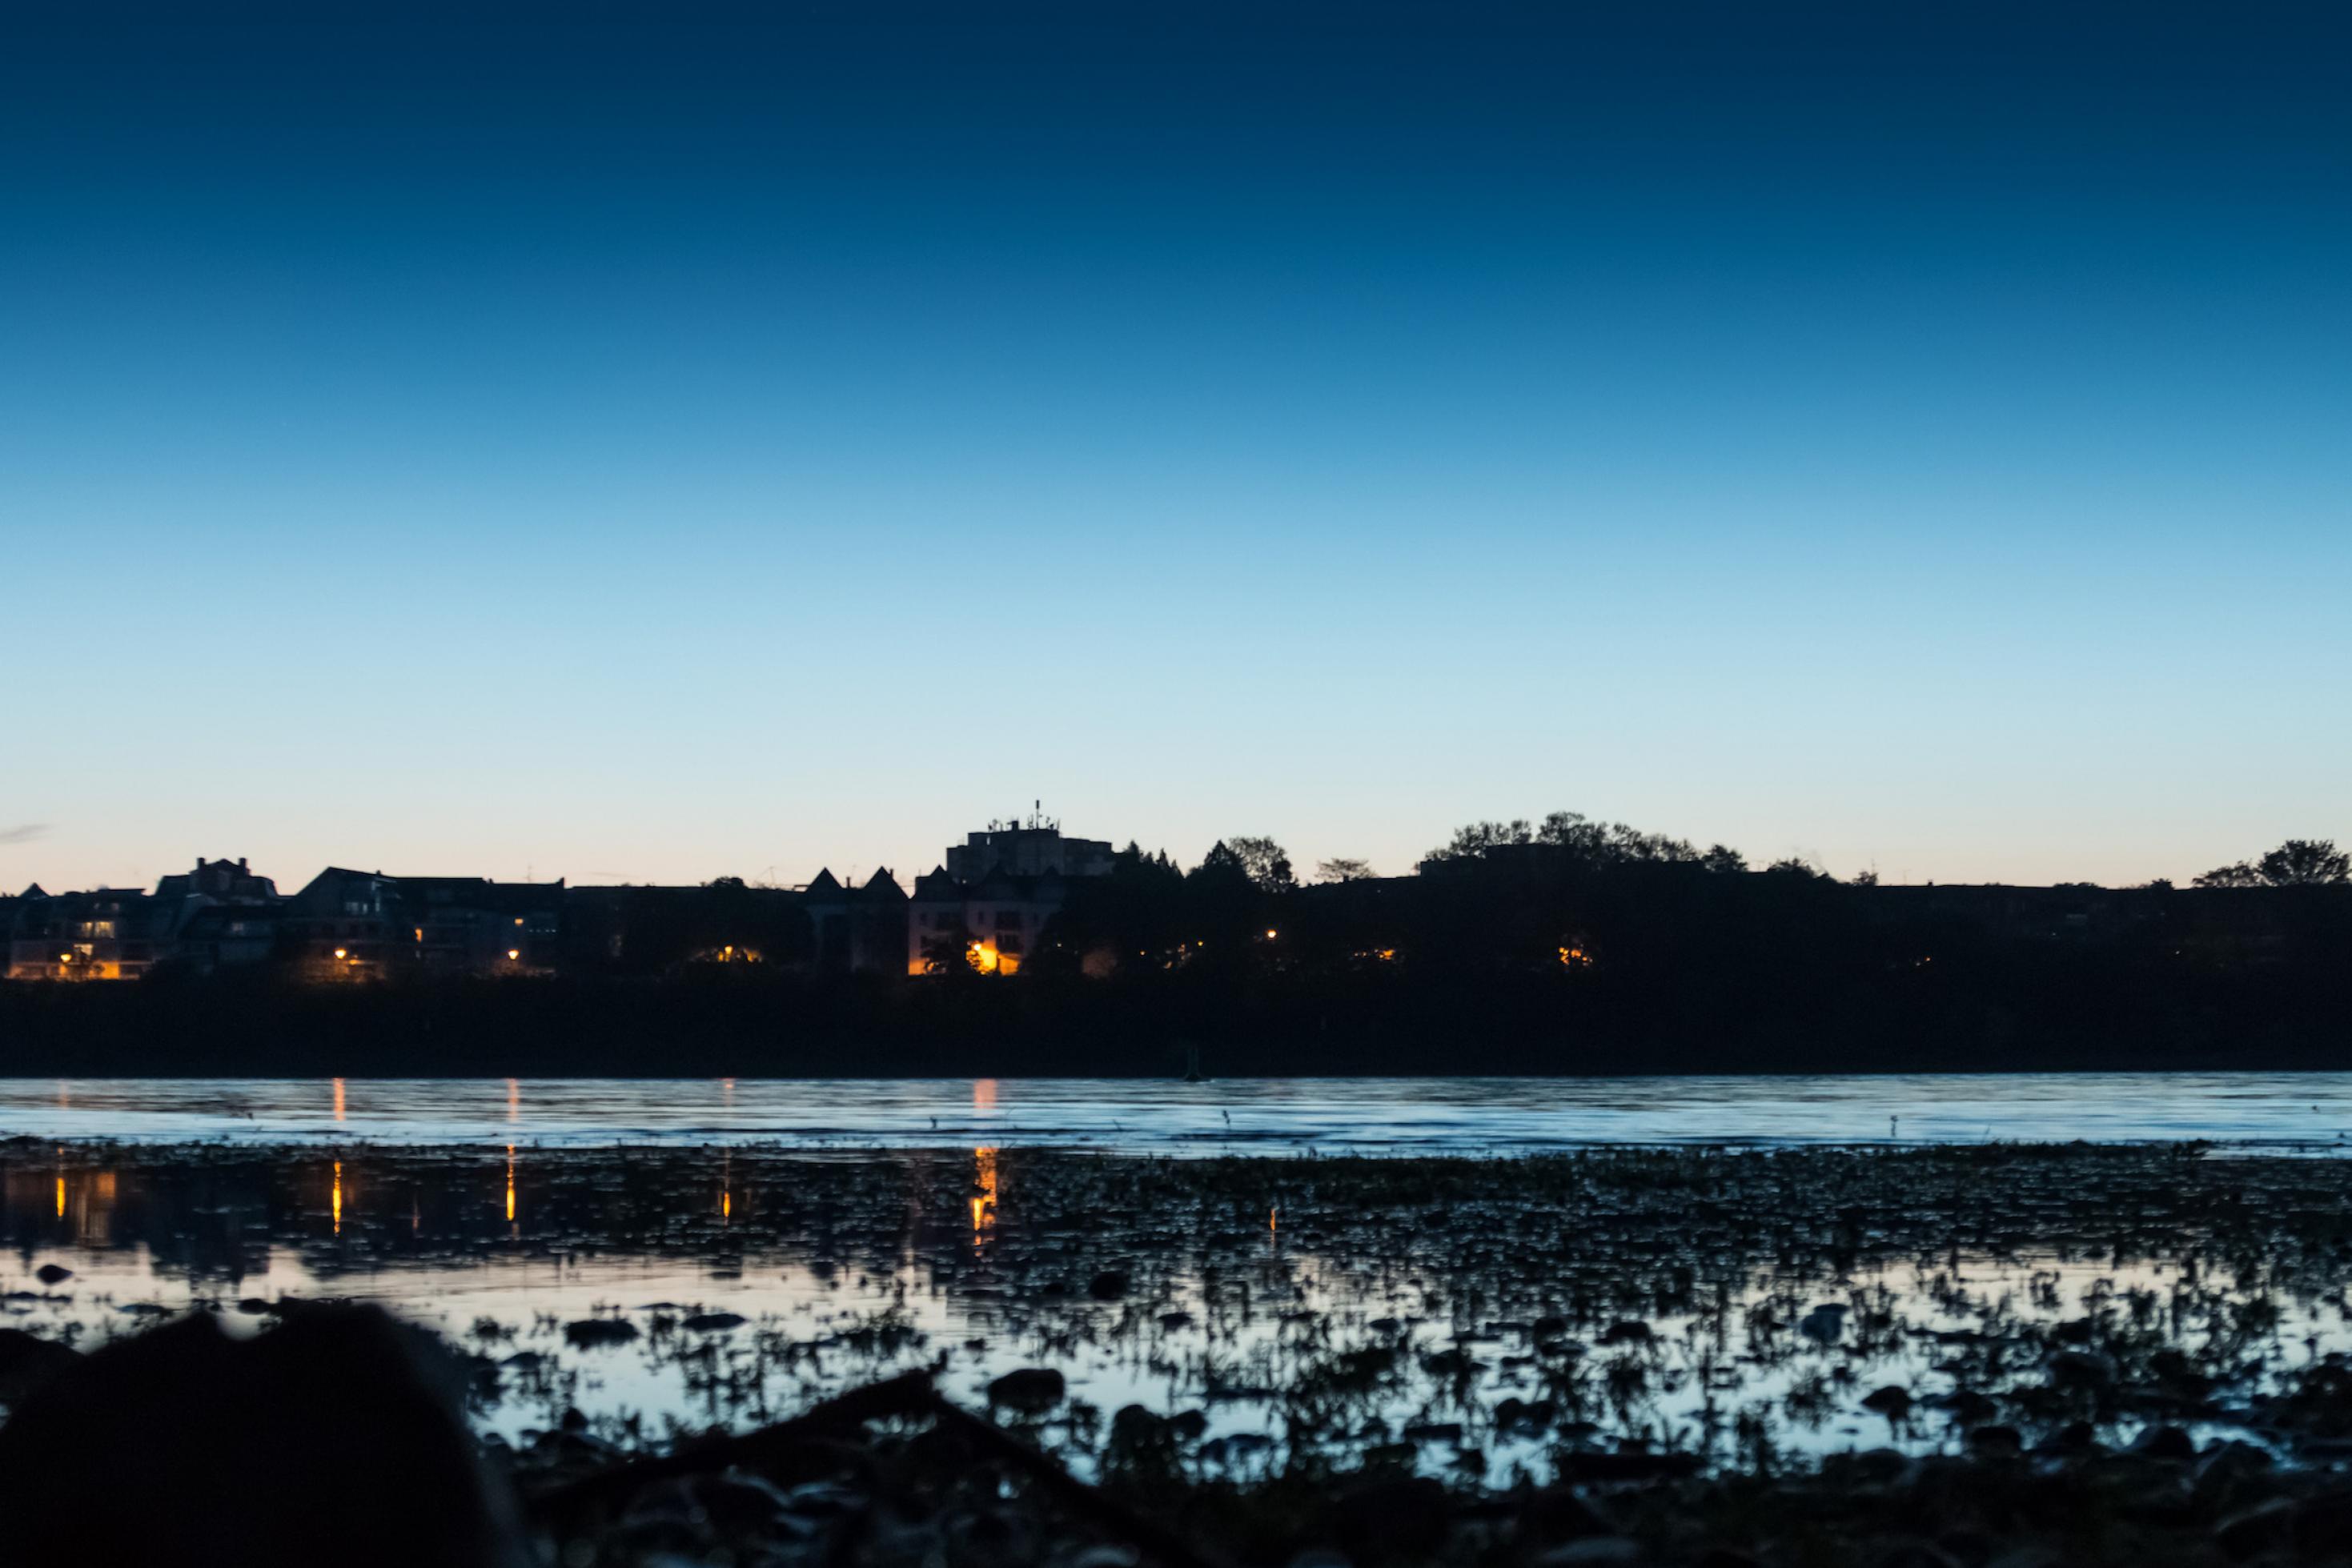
949, 952
1722, 857
1479, 839
1345, 868
2306, 863
2298, 863
1577, 838
1264, 862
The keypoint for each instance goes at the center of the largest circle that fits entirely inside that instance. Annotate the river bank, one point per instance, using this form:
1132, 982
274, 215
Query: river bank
1736, 1304
1789, 1354
2076, 1011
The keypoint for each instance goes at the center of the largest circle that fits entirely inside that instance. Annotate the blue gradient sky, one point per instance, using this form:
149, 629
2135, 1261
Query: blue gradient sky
763, 438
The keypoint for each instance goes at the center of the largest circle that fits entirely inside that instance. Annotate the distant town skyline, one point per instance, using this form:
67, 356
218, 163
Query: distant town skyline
848, 865
628, 446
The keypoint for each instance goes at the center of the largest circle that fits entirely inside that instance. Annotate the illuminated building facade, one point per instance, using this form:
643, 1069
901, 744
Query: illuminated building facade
118, 934
993, 924
355, 925
107, 933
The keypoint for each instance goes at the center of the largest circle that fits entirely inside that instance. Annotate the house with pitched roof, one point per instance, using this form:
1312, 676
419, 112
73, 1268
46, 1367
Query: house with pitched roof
993, 924
860, 929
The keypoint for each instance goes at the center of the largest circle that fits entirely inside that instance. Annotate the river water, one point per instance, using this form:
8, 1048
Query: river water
853, 1228
2274, 1110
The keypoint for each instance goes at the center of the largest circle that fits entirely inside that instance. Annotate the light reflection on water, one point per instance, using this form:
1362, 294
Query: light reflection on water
2309, 1111
914, 1260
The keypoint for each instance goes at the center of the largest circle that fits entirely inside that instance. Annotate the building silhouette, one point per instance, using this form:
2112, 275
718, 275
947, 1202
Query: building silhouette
1034, 848
121, 933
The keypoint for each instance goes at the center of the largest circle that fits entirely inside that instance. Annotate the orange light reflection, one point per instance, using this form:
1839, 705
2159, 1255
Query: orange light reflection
983, 1202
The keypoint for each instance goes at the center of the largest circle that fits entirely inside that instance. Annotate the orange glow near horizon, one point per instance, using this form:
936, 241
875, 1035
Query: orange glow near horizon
983, 1093
514, 1101
339, 1102
338, 1198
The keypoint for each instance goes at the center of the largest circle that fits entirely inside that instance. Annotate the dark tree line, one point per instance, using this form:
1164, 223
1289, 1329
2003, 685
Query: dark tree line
1570, 946
2298, 863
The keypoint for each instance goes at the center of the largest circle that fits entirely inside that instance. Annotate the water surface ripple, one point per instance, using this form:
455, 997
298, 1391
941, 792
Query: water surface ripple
2306, 1112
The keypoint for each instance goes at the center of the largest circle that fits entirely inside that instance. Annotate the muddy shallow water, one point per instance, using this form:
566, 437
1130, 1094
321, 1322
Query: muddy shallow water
1474, 1315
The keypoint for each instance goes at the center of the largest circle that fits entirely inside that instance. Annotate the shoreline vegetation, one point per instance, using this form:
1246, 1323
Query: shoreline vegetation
1937, 1358
2070, 1011
1574, 947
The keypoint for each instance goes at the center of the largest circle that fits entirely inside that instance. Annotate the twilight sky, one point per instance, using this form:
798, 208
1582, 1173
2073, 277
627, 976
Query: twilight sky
649, 442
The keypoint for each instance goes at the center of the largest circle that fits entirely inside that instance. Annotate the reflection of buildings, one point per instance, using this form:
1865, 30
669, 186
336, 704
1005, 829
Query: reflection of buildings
79, 1199
983, 1195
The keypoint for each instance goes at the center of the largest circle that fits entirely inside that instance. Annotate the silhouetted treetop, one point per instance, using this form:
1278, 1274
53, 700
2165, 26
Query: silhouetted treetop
2298, 863
1580, 838
1345, 868
1221, 860
1264, 862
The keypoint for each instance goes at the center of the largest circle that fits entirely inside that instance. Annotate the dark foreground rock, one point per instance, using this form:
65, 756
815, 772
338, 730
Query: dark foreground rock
27, 1361
335, 1439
